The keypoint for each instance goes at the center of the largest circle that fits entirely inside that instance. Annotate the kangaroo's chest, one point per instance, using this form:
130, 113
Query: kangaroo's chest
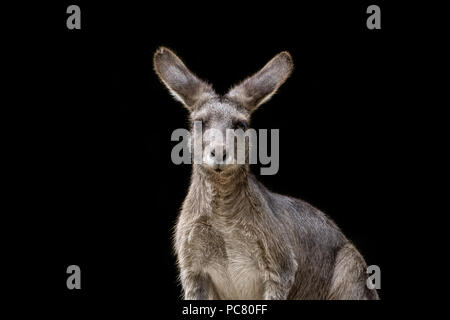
236, 275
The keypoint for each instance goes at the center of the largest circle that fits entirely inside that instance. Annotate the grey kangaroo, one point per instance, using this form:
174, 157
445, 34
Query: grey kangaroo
235, 239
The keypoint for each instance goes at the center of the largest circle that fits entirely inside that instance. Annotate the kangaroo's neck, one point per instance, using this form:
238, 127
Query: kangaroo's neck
225, 194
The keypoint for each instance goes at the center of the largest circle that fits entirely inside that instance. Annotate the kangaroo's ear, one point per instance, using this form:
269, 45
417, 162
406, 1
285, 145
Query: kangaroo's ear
181, 82
257, 89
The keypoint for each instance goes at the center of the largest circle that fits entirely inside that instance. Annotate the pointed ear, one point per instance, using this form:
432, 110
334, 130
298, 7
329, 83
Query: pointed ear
257, 89
180, 81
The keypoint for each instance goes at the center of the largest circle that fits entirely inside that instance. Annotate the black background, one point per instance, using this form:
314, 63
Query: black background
104, 192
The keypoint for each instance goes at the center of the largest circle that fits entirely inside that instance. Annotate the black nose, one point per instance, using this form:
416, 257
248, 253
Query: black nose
224, 154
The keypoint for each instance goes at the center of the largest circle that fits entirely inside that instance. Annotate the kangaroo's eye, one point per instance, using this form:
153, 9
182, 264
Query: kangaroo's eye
240, 125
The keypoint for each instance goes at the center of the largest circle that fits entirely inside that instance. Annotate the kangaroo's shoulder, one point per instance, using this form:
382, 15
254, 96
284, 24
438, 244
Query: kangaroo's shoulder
298, 211
280, 203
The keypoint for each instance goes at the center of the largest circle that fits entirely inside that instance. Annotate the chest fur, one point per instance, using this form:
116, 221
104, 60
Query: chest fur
236, 274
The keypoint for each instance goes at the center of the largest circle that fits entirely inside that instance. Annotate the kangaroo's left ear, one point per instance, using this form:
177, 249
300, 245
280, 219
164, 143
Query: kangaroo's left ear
257, 89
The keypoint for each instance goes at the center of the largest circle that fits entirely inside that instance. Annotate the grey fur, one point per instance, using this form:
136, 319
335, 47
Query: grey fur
235, 239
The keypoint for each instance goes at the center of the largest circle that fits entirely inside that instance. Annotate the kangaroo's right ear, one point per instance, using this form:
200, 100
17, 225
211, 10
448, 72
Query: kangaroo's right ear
180, 81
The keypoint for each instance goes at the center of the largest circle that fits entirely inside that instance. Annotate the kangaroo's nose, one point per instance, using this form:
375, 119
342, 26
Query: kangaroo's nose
224, 154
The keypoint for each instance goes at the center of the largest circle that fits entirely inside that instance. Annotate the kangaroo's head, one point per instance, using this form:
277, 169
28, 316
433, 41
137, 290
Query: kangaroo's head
217, 113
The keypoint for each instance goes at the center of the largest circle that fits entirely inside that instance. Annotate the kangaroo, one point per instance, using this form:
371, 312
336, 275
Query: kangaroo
235, 239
